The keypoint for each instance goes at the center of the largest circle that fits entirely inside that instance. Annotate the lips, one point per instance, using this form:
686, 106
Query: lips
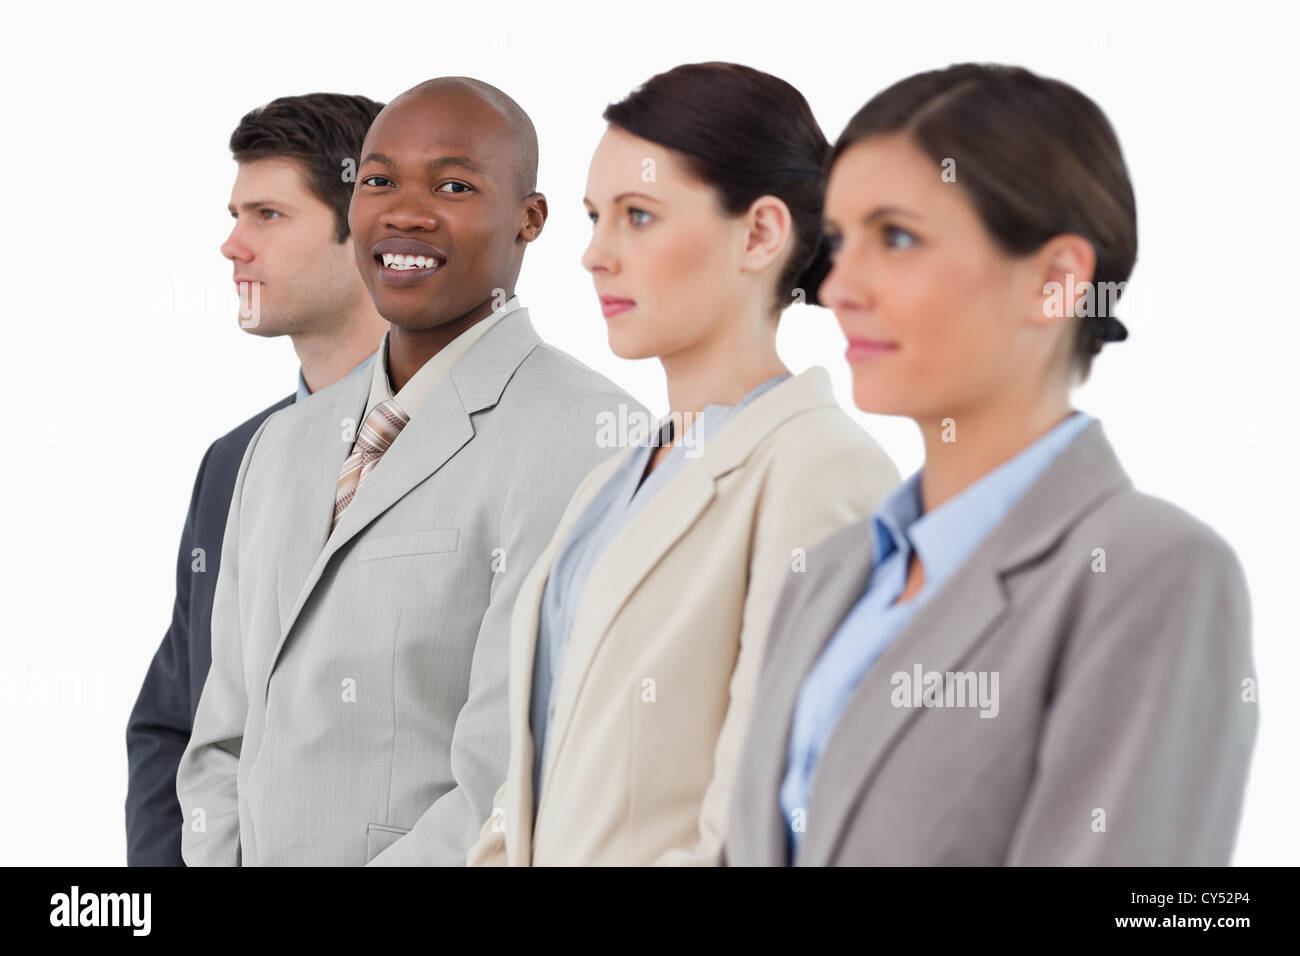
859, 349
611, 305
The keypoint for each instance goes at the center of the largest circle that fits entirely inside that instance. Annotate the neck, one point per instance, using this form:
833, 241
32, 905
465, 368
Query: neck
724, 369
980, 439
409, 349
328, 355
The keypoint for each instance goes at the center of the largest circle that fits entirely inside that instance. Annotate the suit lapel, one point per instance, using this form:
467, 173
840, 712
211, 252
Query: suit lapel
426, 443
943, 634
628, 561
635, 552
436, 432
322, 446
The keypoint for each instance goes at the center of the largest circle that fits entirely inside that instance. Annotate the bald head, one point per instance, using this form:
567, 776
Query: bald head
448, 171
522, 136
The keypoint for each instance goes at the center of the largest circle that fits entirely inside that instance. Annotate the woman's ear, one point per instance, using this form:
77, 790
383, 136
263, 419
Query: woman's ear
1063, 269
768, 228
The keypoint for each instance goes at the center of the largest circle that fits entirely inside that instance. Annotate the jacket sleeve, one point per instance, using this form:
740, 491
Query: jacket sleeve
546, 474
159, 726
207, 778
491, 846
490, 849
818, 487
1146, 745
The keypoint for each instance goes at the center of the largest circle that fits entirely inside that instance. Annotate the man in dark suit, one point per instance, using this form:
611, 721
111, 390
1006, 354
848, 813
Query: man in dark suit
296, 275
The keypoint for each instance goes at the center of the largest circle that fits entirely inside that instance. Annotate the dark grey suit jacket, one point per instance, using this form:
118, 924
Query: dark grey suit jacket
1119, 629
160, 723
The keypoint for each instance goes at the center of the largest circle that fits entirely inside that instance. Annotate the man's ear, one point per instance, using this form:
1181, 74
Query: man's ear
1062, 272
535, 211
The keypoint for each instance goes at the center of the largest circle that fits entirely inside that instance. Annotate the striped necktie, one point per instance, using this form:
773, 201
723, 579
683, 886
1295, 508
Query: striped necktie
378, 432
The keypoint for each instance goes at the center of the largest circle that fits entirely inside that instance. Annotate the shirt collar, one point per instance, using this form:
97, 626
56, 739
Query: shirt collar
712, 416
412, 395
945, 536
894, 516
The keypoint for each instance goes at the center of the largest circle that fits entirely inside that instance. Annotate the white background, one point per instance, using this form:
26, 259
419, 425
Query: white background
115, 129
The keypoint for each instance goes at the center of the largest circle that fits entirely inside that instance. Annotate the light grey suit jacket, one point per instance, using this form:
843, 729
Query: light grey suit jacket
1124, 725
356, 709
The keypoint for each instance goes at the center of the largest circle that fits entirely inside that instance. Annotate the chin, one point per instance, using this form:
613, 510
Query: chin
410, 316
267, 325
875, 400
629, 347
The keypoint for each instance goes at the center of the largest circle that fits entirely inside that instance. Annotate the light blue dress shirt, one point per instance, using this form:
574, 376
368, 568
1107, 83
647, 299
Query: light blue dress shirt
608, 513
943, 538
303, 392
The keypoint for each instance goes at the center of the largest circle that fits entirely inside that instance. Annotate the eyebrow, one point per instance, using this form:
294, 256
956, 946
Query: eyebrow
621, 196
256, 204
880, 212
433, 165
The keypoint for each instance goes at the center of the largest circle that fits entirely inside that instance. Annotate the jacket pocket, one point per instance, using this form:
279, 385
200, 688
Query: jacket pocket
380, 836
410, 542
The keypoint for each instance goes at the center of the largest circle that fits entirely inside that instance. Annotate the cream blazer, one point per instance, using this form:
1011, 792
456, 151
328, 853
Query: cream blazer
657, 683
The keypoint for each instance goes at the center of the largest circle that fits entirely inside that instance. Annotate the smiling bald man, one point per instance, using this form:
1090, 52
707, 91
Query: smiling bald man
356, 707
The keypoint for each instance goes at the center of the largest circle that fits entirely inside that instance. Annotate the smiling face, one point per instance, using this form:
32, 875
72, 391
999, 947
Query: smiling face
283, 243
939, 319
665, 260
437, 188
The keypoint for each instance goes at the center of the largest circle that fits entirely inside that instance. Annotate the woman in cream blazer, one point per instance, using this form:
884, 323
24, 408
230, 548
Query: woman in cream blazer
655, 685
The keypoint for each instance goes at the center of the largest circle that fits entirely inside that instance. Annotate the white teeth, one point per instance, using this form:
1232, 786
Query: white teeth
403, 263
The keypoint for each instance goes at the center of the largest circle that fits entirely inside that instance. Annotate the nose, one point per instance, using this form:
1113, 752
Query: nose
844, 289
407, 213
235, 248
597, 256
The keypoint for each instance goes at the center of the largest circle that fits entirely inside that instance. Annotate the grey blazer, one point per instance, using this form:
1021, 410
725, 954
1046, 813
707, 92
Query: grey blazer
356, 706
1125, 714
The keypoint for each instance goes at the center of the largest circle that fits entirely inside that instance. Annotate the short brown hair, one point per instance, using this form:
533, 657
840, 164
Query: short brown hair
320, 130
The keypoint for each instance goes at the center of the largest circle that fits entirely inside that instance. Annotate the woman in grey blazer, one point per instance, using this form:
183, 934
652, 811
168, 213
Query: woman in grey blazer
1018, 658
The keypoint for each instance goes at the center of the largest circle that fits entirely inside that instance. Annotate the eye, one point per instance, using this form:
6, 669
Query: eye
898, 238
463, 187
591, 214
268, 213
368, 180
833, 242
633, 213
